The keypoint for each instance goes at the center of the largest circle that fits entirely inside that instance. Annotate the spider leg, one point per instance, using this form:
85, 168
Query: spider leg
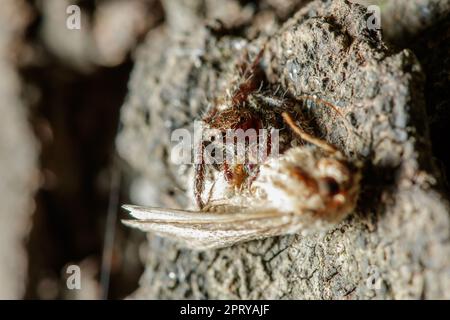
252, 80
199, 183
318, 100
257, 59
333, 107
306, 136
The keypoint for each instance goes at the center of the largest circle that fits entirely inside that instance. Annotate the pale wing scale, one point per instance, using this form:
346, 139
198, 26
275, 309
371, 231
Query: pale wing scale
206, 230
232, 213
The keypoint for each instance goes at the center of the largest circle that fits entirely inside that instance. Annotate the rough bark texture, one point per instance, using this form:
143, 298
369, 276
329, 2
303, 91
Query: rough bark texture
395, 245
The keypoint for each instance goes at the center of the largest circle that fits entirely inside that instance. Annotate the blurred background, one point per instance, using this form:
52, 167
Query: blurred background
61, 92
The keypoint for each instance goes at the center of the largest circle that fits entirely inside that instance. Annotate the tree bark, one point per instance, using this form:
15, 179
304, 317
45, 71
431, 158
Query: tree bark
397, 242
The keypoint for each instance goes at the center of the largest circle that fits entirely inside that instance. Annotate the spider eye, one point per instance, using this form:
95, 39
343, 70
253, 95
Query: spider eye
330, 186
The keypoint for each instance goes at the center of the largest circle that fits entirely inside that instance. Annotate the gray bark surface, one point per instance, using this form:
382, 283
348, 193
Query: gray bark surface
395, 245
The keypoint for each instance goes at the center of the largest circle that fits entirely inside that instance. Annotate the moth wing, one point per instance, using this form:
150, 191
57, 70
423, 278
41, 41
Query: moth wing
208, 230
